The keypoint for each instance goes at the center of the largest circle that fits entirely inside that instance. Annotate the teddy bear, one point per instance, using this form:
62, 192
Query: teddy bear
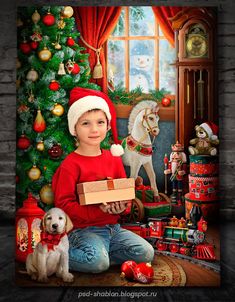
205, 141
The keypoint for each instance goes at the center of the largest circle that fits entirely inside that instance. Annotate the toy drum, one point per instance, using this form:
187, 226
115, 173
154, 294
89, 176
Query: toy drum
204, 165
204, 188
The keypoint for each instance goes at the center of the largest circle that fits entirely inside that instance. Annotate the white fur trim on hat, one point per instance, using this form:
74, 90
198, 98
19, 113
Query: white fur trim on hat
116, 150
207, 128
83, 105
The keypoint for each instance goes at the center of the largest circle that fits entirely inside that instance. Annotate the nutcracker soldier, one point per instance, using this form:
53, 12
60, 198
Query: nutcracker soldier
177, 167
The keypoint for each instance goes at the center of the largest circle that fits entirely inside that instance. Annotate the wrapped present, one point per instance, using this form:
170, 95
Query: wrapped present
103, 191
156, 209
209, 208
144, 193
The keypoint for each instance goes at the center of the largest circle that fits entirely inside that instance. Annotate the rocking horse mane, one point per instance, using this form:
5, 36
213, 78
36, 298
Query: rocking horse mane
137, 109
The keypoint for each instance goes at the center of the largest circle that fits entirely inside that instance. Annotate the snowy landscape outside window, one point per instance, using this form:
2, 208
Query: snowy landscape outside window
138, 53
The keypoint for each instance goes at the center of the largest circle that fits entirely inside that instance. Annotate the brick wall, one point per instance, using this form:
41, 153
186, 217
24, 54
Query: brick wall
226, 81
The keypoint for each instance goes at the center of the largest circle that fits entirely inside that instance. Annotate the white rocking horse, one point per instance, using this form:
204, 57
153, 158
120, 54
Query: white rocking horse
143, 122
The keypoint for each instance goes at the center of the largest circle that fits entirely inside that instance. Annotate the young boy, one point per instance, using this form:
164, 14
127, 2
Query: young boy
97, 239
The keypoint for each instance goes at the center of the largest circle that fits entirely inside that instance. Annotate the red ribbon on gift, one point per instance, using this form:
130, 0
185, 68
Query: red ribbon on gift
143, 188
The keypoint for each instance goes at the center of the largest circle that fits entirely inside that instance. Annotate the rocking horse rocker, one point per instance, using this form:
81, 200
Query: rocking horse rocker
142, 123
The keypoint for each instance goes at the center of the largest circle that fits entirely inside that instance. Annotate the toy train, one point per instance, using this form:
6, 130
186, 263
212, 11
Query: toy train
176, 236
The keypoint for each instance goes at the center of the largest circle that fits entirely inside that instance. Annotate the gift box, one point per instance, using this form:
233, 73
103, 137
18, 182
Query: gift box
144, 193
156, 209
103, 191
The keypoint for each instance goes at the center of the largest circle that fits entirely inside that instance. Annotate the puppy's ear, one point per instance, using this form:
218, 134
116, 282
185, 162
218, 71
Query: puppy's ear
42, 225
69, 224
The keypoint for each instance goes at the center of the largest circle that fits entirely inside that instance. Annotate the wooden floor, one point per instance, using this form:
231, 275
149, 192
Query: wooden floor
195, 277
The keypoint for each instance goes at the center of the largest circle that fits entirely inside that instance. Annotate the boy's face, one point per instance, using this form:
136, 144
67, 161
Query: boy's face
91, 128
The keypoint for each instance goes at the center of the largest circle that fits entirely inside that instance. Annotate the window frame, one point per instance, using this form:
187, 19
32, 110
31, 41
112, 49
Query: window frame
126, 38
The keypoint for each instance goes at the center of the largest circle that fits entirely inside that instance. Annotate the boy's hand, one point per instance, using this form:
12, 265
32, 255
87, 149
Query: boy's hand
116, 207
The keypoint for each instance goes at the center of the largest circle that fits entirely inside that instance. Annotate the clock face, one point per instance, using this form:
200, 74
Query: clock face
196, 46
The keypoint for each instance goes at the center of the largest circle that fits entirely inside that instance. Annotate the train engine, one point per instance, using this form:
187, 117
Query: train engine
174, 235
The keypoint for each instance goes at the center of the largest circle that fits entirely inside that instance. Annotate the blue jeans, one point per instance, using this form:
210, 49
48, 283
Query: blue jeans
94, 249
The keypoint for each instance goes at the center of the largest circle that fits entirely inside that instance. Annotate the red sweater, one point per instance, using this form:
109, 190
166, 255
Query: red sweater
77, 169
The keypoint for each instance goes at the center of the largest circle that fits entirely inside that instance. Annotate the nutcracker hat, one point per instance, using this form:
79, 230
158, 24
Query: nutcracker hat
211, 129
82, 100
177, 147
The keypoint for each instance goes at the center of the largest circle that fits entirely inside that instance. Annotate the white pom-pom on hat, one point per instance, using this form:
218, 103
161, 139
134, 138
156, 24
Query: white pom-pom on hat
82, 100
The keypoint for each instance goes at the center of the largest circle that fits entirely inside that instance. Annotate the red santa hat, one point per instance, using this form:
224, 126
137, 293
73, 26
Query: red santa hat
82, 100
211, 129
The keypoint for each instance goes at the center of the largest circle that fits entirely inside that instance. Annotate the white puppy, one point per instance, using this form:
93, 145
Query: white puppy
51, 253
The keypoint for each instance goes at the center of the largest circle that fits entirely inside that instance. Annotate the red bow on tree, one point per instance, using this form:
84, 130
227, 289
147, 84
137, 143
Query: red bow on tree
51, 240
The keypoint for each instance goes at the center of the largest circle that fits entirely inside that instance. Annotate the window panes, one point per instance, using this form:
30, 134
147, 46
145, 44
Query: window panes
116, 62
167, 72
120, 27
142, 65
141, 21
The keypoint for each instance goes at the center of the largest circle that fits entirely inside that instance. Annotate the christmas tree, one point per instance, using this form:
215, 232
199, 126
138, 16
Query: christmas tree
50, 63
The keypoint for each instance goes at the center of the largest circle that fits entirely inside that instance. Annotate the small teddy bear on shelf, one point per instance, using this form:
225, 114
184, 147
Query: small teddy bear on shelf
205, 141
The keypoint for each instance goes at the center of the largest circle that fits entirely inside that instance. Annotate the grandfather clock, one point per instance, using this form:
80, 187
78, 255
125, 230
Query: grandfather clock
196, 97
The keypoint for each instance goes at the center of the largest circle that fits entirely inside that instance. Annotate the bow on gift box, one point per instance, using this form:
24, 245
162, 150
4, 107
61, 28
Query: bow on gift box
145, 193
143, 187
51, 240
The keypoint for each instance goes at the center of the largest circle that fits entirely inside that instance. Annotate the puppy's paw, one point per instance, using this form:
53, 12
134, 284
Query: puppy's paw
43, 279
34, 276
68, 277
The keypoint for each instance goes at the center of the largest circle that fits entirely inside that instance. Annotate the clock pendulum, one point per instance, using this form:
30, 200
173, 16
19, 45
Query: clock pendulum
194, 96
188, 88
200, 85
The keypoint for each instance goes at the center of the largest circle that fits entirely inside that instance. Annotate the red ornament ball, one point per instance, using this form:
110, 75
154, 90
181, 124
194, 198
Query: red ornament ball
23, 142
143, 272
127, 269
54, 85
70, 41
25, 47
48, 20
34, 45
55, 151
75, 69
166, 102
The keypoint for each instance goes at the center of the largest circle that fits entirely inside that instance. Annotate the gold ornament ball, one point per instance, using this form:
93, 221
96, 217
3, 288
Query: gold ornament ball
58, 110
32, 75
36, 17
46, 194
44, 54
67, 12
34, 173
40, 146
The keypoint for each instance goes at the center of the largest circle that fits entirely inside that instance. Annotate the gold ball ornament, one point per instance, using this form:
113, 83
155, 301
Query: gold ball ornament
67, 12
34, 173
44, 54
46, 194
40, 146
58, 110
32, 75
35, 17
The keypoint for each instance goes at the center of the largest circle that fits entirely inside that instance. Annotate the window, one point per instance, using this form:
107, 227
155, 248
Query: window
139, 54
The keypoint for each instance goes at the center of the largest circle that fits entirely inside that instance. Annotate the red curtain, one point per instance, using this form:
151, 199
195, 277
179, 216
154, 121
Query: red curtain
95, 25
162, 13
